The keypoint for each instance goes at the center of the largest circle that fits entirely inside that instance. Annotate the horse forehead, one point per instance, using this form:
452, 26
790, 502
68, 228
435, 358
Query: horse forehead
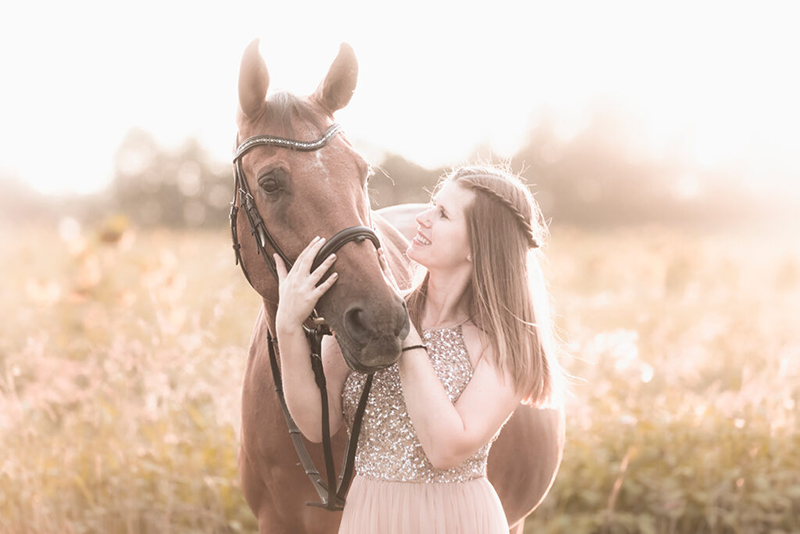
330, 179
320, 167
326, 171
330, 176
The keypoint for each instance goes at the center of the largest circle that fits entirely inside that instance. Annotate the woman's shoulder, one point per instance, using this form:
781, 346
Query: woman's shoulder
477, 343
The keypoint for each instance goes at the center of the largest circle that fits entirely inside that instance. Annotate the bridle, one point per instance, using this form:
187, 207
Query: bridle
329, 499
259, 229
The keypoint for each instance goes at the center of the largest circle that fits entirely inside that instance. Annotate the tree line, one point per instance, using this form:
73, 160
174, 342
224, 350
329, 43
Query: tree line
590, 181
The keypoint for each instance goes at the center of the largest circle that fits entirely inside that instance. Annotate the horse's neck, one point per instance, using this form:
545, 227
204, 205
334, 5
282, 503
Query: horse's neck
395, 245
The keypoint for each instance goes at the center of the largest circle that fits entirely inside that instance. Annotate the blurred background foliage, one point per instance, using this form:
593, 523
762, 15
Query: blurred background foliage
124, 328
593, 179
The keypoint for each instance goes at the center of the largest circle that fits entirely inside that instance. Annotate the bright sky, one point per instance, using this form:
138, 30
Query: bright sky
715, 83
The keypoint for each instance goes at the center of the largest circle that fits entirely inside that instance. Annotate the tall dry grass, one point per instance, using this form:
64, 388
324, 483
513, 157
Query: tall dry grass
121, 358
122, 354
686, 418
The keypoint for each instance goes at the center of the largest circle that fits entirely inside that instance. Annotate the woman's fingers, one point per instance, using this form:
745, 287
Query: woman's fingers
300, 271
323, 267
280, 267
298, 288
306, 258
326, 285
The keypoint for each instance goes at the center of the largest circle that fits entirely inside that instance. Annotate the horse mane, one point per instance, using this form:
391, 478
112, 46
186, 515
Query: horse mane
286, 110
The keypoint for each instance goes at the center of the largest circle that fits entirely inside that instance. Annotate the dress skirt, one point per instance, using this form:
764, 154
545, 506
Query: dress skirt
380, 506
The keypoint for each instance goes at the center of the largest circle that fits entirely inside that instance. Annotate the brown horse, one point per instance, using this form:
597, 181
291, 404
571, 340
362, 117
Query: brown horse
304, 194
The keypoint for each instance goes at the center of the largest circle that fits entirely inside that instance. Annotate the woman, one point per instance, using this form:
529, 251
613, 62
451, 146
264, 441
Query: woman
481, 342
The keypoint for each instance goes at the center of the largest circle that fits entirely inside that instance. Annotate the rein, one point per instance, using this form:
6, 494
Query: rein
331, 494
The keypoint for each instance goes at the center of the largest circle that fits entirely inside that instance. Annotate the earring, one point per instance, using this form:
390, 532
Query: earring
469, 257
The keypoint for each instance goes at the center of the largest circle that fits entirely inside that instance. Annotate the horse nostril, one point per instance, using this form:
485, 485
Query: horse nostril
354, 322
378, 337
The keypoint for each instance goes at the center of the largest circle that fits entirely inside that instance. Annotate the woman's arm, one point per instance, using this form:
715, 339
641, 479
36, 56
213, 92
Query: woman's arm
450, 433
300, 388
298, 295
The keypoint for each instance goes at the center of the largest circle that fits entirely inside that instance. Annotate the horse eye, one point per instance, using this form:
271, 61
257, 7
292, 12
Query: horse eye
269, 185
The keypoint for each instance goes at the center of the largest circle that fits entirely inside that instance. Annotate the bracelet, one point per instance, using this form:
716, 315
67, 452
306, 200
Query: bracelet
412, 347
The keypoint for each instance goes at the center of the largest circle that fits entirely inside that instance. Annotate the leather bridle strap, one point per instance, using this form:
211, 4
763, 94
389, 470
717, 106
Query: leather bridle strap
292, 144
246, 200
341, 238
328, 499
350, 450
257, 226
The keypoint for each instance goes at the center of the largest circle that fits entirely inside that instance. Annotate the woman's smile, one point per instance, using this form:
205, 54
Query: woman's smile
421, 240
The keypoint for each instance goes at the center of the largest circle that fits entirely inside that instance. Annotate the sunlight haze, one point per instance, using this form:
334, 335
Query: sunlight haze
710, 84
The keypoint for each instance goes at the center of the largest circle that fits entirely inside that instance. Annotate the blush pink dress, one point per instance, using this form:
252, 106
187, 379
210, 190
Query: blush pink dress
396, 490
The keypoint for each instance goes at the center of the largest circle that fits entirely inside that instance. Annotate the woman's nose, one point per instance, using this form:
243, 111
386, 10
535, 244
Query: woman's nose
423, 219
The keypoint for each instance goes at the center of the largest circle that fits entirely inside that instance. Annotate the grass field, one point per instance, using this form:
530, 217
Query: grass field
122, 353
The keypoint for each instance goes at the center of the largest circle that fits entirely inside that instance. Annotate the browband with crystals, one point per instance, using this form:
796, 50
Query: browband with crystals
304, 146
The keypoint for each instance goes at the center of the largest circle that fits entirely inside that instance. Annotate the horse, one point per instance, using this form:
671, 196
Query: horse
300, 194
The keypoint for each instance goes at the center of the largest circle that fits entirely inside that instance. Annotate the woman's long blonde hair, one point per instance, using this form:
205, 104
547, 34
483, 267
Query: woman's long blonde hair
507, 297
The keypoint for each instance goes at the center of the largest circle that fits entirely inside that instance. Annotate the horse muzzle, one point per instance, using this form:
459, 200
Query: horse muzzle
371, 342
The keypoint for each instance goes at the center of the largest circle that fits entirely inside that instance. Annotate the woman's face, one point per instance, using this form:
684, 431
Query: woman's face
441, 241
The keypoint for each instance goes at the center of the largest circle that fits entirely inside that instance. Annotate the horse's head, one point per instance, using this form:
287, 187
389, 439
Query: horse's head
301, 194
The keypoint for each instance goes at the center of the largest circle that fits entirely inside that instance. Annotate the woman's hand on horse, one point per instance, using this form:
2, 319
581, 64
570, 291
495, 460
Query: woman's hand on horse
298, 287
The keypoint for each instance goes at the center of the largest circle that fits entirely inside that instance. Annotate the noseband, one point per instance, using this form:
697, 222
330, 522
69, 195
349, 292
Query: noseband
330, 500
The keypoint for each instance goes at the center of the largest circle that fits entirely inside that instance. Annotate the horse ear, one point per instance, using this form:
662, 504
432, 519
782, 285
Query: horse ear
336, 90
253, 81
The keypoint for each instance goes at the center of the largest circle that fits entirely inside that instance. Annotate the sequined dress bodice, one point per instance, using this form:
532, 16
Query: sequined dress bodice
388, 447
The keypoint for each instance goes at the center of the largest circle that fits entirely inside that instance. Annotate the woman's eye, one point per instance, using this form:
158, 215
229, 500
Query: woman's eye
442, 214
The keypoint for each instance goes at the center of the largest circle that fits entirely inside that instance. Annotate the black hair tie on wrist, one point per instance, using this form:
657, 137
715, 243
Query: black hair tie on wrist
412, 347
